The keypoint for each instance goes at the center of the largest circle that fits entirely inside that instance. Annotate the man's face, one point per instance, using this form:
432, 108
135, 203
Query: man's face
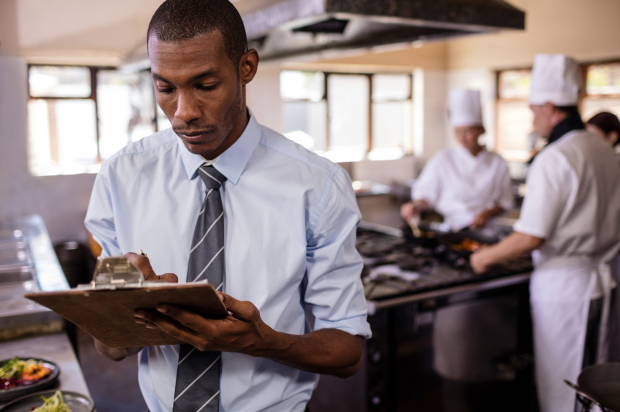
467, 136
199, 89
543, 119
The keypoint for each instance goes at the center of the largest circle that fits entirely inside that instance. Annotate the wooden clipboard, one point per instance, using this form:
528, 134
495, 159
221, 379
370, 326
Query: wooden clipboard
107, 315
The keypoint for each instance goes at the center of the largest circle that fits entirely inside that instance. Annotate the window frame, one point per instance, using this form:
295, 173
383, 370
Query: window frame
94, 70
326, 93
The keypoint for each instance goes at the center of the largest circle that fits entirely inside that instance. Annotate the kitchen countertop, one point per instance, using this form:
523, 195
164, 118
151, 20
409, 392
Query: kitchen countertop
55, 347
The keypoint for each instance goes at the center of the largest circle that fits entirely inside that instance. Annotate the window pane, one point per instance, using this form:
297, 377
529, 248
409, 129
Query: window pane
391, 124
386, 87
62, 134
306, 123
604, 79
514, 84
162, 121
514, 126
298, 85
594, 105
59, 81
126, 109
348, 113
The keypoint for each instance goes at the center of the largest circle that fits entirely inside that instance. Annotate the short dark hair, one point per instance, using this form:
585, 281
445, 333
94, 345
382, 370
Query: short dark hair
607, 122
186, 19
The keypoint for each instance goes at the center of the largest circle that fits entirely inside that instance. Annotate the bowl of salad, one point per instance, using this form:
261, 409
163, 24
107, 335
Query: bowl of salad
21, 376
51, 401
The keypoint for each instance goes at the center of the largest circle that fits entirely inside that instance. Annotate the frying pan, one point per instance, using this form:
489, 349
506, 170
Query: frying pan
599, 385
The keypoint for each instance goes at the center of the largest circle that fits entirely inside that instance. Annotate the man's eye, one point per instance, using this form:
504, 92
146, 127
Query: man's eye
165, 91
207, 88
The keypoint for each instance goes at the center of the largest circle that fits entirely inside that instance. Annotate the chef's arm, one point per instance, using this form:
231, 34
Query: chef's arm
115, 354
410, 209
483, 217
513, 246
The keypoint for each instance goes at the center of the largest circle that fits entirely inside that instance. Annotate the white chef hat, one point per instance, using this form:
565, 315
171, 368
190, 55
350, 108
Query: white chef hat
465, 109
555, 80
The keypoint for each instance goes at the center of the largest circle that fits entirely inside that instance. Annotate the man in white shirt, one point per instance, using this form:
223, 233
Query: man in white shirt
281, 238
467, 184
570, 218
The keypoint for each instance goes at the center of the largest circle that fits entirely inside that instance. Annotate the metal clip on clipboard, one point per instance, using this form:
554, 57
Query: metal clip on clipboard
118, 272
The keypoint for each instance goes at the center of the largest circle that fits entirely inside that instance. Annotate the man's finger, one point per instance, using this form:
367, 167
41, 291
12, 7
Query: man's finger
142, 263
169, 326
245, 311
169, 277
188, 319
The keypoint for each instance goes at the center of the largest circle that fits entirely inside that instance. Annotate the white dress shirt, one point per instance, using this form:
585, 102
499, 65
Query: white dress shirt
460, 186
290, 221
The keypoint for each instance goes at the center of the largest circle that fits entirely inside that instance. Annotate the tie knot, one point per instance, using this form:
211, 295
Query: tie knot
212, 178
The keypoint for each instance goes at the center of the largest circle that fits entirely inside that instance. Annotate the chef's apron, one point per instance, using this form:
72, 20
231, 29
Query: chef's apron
560, 292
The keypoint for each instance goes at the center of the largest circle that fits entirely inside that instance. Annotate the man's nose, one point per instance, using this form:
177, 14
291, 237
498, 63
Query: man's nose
188, 108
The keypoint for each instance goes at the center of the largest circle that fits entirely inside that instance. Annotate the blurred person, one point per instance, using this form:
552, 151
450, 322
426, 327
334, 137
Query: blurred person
467, 184
569, 220
605, 125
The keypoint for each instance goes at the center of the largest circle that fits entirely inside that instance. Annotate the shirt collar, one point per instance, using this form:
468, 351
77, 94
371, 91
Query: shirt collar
232, 162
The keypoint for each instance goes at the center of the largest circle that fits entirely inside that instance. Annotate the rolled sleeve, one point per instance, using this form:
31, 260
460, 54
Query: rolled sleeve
334, 288
548, 188
100, 216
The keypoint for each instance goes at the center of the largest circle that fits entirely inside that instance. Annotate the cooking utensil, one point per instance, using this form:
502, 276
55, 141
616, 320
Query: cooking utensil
22, 390
599, 385
77, 402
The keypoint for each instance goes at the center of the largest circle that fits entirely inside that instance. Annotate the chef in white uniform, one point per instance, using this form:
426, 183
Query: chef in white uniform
467, 184
570, 218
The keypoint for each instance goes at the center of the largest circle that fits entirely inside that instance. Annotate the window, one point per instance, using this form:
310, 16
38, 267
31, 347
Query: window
514, 139
602, 90
346, 116
80, 116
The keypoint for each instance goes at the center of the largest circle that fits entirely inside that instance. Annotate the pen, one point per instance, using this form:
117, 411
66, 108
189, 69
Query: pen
142, 253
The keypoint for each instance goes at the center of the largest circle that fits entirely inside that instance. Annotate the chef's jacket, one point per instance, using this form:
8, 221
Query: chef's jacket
290, 218
573, 199
460, 186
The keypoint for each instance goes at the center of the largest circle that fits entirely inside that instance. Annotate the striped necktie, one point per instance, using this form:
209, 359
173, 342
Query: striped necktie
198, 374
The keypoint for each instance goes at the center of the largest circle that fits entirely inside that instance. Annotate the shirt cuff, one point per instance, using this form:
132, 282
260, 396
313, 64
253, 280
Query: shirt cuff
355, 326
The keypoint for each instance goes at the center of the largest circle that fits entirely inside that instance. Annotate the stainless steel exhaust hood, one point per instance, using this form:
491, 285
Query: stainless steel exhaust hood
296, 27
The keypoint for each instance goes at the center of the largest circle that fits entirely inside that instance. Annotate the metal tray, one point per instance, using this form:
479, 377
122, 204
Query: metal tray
10, 394
75, 401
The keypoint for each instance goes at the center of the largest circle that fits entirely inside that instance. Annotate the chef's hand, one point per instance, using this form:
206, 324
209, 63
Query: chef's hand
410, 209
143, 263
241, 331
478, 260
479, 221
115, 354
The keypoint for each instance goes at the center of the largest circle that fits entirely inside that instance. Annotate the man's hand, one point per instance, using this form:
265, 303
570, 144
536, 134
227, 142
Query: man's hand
241, 331
143, 263
327, 351
410, 209
115, 354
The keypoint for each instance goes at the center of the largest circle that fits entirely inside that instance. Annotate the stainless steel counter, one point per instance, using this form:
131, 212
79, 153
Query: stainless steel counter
55, 347
28, 264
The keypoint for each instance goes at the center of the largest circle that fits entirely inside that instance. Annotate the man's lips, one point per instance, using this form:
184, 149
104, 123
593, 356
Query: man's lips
194, 137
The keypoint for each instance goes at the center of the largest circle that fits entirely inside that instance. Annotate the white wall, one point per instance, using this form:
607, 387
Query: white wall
61, 200
263, 96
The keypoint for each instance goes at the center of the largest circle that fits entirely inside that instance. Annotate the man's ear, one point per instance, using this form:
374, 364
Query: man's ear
612, 137
248, 66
